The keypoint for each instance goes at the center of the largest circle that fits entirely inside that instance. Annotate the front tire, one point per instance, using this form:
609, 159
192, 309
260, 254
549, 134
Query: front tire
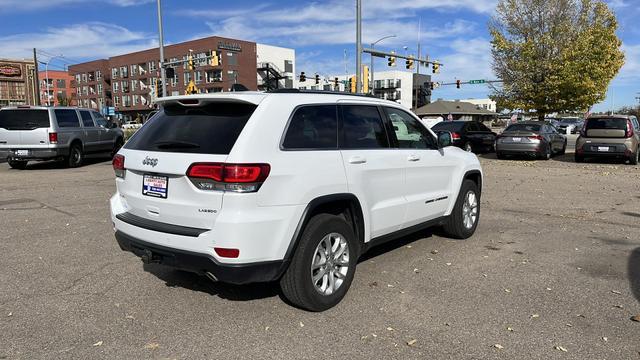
18, 164
323, 265
468, 147
463, 221
76, 157
547, 153
564, 148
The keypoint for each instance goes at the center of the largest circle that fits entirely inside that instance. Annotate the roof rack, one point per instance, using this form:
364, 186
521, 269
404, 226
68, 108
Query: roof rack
325, 92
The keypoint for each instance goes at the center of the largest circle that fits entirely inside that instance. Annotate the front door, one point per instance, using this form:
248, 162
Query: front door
107, 136
91, 132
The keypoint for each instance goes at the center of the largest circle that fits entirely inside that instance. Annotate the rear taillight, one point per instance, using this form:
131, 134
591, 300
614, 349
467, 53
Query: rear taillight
455, 136
535, 137
629, 132
227, 253
228, 177
118, 165
53, 138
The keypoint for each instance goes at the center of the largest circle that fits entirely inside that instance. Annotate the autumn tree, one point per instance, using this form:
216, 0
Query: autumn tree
554, 55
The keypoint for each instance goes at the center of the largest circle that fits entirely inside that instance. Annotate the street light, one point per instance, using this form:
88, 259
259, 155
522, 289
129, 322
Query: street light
46, 75
372, 57
161, 46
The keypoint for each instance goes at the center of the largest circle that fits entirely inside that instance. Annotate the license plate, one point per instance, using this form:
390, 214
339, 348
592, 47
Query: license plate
156, 186
22, 152
516, 139
603, 148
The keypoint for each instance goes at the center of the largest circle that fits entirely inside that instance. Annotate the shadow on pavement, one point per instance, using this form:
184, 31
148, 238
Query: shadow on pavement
56, 165
634, 273
191, 281
395, 244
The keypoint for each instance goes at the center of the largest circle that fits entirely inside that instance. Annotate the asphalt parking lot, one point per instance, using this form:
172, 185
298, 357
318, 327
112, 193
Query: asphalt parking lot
553, 272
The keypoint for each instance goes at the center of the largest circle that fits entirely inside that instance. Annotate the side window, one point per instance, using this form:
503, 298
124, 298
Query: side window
87, 121
67, 118
312, 127
472, 126
483, 127
362, 128
409, 131
100, 120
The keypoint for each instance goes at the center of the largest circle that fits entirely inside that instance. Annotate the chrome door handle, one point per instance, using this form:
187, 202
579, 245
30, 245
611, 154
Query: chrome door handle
357, 160
413, 158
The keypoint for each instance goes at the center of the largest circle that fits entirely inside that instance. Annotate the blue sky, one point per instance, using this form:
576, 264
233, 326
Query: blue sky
453, 31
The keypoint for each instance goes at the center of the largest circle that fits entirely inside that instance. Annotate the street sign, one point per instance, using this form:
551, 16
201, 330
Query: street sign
476, 81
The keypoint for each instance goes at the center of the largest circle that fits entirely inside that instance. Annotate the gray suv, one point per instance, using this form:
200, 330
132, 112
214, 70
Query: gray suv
44, 133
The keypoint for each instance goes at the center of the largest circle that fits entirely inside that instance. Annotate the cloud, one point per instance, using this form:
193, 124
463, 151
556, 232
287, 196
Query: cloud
95, 39
30, 5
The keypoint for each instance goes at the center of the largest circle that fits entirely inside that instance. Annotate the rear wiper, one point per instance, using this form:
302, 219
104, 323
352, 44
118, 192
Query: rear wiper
175, 145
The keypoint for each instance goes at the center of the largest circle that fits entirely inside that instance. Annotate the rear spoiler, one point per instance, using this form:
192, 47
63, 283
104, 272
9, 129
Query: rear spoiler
194, 100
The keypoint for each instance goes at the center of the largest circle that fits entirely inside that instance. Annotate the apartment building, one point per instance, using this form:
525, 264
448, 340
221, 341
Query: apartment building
56, 88
92, 84
17, 82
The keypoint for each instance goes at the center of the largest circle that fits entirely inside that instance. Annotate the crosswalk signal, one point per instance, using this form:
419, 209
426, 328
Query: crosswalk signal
303, 77
436, 68
409, 63
317, 79
458, 84
392, 61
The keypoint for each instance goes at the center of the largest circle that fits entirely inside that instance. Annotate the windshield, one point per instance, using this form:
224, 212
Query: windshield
523, 127
26, 119
209, 129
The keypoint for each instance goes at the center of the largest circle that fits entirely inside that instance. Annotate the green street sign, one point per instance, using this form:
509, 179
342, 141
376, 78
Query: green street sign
476, 81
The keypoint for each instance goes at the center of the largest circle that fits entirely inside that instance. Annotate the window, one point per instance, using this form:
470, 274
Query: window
606, 123
87, 121
23, 119
60, 83
116, 86
98, 75
136, 100
187, 78
152, 65
409, 132
200, 59
232, 59
134, 70
67, 118
209, 129
134, 85
125, 86
198, 76
523, 127
114, 73
288, 66
78, 78
124, 72
312, 127
84, 77
100, 89
85, 90
116, 100
362, 128
473, 126
100, 120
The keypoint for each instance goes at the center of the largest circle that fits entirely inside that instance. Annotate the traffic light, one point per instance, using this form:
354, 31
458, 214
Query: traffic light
365, 79
392, 60
317, 79
436, 68
215, 59
352, 84
409, 63
335, 82
190, 61
458, 84
170, 72
303, 77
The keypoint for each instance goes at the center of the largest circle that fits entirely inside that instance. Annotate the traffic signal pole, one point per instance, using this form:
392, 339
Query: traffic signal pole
358, 46
161, 45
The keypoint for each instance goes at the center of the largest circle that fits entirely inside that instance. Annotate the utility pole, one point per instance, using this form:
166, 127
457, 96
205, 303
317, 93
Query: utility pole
161, 40
418, 65
358, 46
36, 77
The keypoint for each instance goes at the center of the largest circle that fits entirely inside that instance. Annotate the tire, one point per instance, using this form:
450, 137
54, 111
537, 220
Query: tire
468, 147
579, 158
500, 155
547, 153
76, 156
456, 225
18, 164
633, 159
116, 147
564, 148
297, 282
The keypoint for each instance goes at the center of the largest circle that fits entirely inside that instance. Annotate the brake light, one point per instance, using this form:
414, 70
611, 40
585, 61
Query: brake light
535, 137
118, 165
629, 132
227, 253
53, 138
228, 177
455, 136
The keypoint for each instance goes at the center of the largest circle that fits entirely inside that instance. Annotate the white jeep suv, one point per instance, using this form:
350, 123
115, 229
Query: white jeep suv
286, 186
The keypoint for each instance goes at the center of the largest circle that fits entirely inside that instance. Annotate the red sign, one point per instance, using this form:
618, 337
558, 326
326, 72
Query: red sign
8, 70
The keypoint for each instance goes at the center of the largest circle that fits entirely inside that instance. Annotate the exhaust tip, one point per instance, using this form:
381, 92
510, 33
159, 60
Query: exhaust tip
211, 276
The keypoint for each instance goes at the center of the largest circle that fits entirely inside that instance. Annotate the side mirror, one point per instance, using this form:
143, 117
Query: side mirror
444, 139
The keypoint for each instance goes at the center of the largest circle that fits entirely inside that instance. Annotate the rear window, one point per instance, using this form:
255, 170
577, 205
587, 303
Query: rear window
607, 124
448, 126
209, 129
523, 127
67, 118
313, 127
24, 119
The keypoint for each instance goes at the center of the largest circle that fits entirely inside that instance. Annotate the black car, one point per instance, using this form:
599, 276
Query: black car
468, 135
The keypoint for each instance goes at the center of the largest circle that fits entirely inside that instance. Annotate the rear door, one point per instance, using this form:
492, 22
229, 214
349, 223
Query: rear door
159, 155
24, 127
91, 131
68, 125
375, 172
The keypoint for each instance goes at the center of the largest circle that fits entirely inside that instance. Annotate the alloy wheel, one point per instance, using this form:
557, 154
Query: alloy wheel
330, 263
470, 209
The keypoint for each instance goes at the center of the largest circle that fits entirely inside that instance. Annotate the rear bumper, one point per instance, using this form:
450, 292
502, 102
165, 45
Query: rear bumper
517, 149
613, 150
34, 154
201, 263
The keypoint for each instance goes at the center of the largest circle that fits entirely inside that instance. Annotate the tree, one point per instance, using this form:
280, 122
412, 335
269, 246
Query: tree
554, 55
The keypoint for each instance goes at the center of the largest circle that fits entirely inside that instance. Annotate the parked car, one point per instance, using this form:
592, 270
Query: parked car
612, 136
534, 138
44, 133
290, 186
570, 125
470, 136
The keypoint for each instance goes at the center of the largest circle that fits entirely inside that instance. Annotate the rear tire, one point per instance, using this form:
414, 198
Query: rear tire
564, 148
76, 156
547, 153
311, 259
18, 164
463, 221
579, 158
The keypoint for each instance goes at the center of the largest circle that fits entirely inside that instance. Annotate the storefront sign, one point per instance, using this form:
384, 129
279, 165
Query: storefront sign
229, 46
10, 70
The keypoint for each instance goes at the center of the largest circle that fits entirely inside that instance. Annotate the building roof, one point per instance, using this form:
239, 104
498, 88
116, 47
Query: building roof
442, 107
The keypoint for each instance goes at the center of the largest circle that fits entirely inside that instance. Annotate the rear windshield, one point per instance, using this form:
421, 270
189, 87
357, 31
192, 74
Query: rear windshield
447, 126
24, 119
209, 129
604, 123
569, 121
523, 127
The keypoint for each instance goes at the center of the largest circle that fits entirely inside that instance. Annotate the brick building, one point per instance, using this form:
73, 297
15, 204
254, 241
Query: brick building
17, 82
55, 88
129, 82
